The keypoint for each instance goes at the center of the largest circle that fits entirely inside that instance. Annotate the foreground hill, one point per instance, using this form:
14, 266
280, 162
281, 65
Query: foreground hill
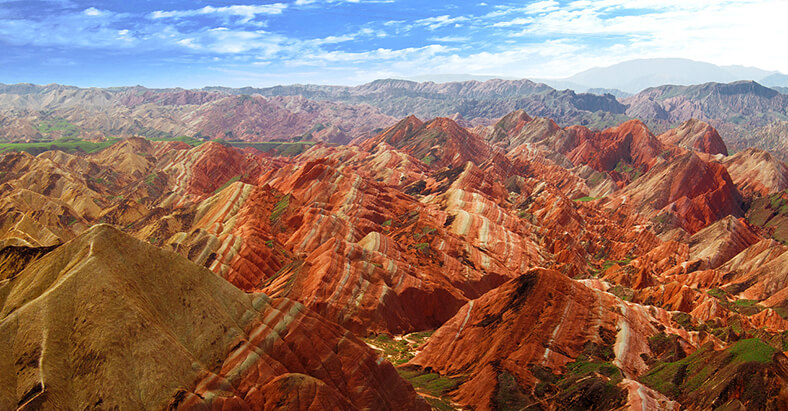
106, 320
497, 238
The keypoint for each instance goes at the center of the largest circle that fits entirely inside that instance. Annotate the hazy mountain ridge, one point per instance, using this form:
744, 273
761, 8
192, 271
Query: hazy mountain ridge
635, 75
340, 114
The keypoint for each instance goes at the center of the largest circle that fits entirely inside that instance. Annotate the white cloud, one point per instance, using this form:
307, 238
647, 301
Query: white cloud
451, 39
92, 11
541, 7
308, 2
245, 12
433, 23
519, 21
611, 31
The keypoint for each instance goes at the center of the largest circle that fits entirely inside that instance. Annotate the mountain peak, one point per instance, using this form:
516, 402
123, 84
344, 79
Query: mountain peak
696, 135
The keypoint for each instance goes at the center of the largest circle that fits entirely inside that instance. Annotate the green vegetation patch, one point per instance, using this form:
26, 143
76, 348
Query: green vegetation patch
704, 376
68, 145
624, 293
192, 141
752, 350
151, 178
421, 246
61, 127
401, 349
288, 149
771, 213
280, 208
586, 199
741, 306
623, 167
227, 184
435, 387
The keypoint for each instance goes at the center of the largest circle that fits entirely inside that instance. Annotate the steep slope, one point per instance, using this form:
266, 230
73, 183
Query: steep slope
735, 109
686, 192
756, 172
109, 321
747, 375
542, 339
721, 241
630, 144
710, 101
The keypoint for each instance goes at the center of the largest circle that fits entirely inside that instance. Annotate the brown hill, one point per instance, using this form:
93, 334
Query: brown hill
106, 316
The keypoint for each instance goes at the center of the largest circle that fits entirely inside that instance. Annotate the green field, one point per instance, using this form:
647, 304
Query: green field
73, 145
69, 145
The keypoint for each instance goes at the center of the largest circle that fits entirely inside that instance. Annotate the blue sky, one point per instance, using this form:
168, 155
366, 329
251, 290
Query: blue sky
244, 43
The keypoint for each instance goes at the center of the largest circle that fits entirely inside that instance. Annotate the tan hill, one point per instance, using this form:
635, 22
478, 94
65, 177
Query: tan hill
108, 321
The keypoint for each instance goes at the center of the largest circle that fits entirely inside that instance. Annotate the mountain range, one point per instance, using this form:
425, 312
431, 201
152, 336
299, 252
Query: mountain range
338, 114
632, 76
430, 265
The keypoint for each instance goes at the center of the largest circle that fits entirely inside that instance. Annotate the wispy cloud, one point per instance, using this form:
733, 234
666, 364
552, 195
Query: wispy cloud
451, 39
245, 12
439, 21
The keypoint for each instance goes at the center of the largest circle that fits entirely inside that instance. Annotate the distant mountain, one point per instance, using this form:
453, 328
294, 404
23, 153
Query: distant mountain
472, 100
775, 80
738, 102
450, 78
613, 91
339, 114
30, 112
736, 109
636, 75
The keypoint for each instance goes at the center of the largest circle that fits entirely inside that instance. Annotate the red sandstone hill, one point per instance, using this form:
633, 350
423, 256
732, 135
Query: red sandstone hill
631, 143
686, 192
695, 135
440, 142
757, 172
519, 344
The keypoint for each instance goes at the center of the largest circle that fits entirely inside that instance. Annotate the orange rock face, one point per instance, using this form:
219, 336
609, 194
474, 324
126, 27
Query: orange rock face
692, 191
756, 172
539, 322
630, 142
